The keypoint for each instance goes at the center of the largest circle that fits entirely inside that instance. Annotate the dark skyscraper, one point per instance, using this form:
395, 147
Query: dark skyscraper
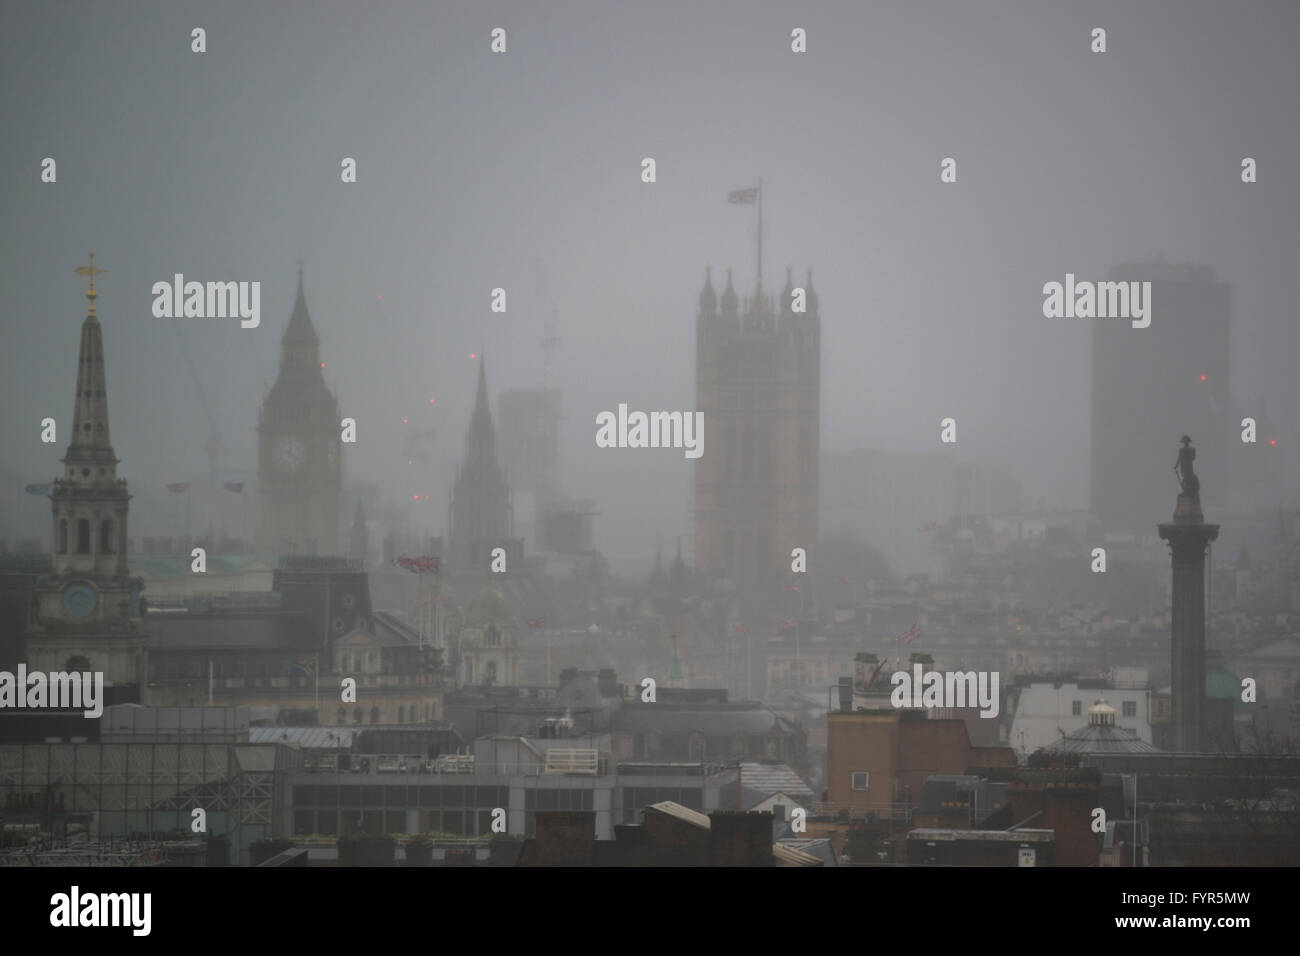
530, 439
1148, 384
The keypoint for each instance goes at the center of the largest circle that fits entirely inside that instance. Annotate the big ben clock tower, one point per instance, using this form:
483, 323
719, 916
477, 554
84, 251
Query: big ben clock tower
87, 610
299, 470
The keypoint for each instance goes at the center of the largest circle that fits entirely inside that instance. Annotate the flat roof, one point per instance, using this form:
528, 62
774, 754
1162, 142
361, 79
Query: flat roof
984, 836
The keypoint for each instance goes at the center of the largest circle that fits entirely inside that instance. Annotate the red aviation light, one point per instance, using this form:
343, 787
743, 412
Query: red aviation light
1202, 378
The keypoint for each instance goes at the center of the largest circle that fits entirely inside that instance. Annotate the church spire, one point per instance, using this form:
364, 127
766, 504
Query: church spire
90, 446
481, 510
480, 440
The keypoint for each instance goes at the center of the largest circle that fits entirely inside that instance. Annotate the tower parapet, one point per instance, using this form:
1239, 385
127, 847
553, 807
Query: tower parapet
758, 383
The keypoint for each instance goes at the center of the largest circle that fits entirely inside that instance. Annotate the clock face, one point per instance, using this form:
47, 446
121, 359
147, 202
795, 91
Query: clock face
79, 600
290, 453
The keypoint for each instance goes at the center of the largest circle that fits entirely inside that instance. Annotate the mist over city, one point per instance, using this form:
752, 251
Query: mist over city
705, 434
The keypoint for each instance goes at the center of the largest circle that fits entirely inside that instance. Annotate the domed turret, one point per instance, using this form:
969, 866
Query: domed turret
487, 608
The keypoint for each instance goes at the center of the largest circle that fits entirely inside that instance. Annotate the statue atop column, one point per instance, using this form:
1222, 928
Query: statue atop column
1189, 497
1186, 475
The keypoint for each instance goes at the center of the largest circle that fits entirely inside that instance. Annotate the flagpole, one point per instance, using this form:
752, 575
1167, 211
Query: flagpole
760, 230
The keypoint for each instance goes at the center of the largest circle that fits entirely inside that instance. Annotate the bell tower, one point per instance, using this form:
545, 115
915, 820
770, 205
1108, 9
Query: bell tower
87, 614
299, 461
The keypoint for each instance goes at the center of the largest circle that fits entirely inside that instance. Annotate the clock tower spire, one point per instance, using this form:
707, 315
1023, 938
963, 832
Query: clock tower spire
299, 466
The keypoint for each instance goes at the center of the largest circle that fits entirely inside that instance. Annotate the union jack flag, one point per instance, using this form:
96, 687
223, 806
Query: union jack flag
423, 564
746, 197
911, 635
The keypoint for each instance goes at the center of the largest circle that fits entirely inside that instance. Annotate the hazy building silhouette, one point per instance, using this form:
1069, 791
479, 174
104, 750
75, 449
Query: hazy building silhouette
359, 537
1149, 384
299, 460
530, 439
758, 383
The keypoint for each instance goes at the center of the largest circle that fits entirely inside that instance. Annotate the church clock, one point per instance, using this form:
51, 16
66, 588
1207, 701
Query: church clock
79, 600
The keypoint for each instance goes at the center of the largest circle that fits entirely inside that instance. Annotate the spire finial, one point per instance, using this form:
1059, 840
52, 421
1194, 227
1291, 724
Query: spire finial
91, 271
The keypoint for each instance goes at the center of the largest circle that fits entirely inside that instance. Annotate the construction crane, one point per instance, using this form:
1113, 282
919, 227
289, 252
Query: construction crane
420, 441
215, 447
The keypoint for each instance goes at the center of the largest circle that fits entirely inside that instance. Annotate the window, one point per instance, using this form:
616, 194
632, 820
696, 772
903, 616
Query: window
1076, 708
778, 812
374, 715
859, 780
1130, 708
83, 536
106, 536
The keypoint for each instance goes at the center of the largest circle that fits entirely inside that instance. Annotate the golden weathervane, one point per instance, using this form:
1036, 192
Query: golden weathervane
91, 271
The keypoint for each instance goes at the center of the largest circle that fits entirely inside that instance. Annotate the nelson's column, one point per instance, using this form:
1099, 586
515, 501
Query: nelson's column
1188, 535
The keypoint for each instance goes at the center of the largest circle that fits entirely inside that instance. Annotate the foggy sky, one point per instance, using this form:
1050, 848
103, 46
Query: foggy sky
522, 170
